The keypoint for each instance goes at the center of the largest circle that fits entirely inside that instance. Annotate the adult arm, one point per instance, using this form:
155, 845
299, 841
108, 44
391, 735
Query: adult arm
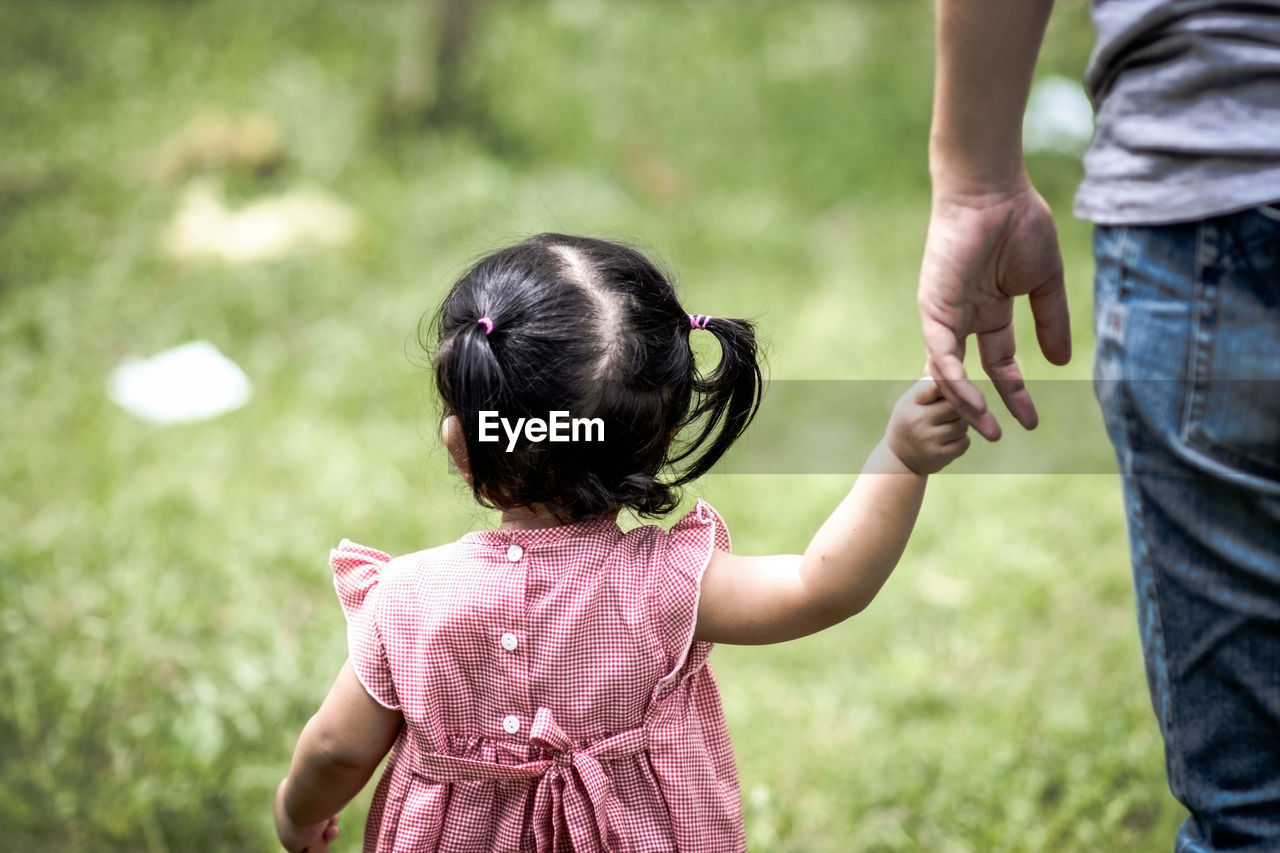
991, 236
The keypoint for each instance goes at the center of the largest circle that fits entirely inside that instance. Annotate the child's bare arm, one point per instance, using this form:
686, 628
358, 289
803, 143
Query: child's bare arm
340, 747
755, 600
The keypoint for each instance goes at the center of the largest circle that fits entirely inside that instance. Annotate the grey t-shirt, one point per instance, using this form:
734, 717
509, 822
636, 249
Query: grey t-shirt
1187, 102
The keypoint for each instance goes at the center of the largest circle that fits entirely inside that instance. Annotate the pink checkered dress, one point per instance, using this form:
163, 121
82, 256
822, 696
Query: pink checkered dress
553, 697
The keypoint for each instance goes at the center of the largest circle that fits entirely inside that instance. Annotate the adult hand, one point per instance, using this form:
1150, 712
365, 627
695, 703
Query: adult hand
984, 248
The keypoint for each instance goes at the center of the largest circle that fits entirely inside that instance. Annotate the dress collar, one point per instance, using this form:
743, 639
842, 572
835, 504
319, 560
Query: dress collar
543, 535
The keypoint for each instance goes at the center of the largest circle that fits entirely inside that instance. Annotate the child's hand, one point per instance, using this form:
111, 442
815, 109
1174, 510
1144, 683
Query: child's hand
925, 431
303, 839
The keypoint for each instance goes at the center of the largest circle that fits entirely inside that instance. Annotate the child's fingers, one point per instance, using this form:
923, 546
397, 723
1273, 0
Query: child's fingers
956, 447
943, 412
925, 391
947, 431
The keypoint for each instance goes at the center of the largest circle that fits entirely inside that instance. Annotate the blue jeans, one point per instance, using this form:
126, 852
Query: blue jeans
1188, 375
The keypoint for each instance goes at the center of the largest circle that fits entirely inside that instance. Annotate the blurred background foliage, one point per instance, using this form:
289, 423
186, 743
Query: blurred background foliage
167, 622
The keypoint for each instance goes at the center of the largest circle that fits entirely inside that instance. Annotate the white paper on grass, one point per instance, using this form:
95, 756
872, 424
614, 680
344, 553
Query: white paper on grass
1059, 117
192, 382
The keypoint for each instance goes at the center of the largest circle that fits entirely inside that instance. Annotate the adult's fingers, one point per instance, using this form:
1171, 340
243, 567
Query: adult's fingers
996, 349
1053, 319
946, 366
942, 412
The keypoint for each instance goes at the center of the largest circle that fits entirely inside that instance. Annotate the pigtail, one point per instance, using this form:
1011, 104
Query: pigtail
478, 367
467, 369
726, 400
471, 379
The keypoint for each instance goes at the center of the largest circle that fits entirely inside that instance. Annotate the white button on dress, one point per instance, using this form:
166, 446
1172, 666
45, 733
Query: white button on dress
514, 553
511, 724
509, 641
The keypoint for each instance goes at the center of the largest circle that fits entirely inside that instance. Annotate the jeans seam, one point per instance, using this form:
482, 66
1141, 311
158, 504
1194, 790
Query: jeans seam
1127, 251
1203, 323
1163, 701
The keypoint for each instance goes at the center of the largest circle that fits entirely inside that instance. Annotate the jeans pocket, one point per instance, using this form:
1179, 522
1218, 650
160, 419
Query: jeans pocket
1232, 411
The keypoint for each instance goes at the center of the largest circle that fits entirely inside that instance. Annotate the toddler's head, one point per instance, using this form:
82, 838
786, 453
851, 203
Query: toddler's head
593, 329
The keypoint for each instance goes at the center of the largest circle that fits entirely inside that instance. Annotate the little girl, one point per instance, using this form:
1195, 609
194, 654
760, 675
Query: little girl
544, 686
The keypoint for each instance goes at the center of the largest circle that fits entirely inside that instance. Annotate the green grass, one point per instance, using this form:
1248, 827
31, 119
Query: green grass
166, 618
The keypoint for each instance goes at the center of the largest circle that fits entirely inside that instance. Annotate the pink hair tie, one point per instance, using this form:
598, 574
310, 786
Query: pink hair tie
487, 323
699, 321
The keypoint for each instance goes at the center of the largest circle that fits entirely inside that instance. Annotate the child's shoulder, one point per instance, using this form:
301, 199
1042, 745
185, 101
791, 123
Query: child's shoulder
700, 515
351, 561
694, 534
435, 560
701, 528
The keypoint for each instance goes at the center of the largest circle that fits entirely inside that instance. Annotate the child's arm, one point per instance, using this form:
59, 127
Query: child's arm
338, 751
756, 600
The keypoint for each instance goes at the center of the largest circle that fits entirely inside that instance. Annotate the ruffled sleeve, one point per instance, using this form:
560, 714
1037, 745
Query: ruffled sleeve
357, 571
689, 546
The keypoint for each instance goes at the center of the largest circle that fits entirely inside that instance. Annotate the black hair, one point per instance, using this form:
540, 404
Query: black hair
593, 328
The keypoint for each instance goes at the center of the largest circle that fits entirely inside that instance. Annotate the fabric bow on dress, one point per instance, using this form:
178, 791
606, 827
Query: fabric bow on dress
574, 803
